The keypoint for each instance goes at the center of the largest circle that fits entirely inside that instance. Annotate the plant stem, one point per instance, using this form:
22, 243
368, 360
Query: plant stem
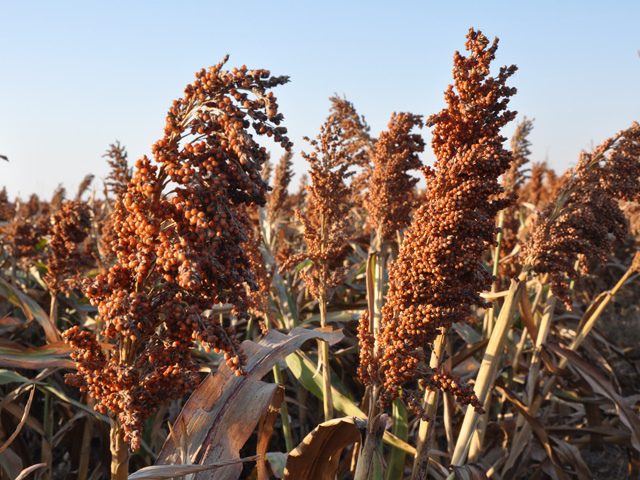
53, 309
381, 249
489, 367
490, 316
119, 448
284, 411
119, 452
425, 433
326, 369
327, 400
375, 430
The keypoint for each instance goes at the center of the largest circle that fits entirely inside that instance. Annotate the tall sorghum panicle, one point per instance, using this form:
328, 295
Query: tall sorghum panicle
356, 140
7, 209
120, 173
585, 217
513, 178
390, 199
512, 182
179, 250
67, 257
541, 187
355, 143
58, 197
277, 201
327, 226
326, 221
84, 186
439, 273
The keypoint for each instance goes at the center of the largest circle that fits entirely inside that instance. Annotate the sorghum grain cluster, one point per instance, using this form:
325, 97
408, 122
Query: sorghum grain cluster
439, 273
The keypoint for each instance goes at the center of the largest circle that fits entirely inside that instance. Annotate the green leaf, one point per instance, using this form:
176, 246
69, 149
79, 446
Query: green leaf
287, 300
8, 376
395, 468
304, 372
302, 265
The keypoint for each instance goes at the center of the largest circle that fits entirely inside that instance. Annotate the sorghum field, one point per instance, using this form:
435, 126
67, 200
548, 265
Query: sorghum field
193, 317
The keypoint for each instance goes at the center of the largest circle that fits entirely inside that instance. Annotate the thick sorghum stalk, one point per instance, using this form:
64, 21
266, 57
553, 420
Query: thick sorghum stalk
179, 252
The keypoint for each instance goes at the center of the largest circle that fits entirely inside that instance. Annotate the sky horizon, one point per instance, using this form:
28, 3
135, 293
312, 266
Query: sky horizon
77, 76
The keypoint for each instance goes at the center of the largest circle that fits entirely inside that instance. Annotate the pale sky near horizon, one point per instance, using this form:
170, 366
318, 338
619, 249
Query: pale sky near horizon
77, 76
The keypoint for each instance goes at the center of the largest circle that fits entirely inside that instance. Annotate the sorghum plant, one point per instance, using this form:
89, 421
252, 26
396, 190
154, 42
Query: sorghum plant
121, 173
542, 186
179, 252
355, 142
278, 197
509, 219
390, 200
66, 259
438, 275
585, 218
327, 226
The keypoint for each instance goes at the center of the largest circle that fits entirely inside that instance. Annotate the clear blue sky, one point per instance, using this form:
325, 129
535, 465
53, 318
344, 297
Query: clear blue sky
76, 76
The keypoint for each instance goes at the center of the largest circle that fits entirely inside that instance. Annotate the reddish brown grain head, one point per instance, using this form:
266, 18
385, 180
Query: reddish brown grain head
584, 219
178, 243
390, 200
438, 275
326, 220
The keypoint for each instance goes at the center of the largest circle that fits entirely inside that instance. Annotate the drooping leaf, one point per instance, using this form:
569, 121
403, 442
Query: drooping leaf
24, 473
20, 425
223, 411
469, 472
536, 426
31, 310
318, 455
161, 472
64, 397
55, 354
304, 371
602, 386
8, 376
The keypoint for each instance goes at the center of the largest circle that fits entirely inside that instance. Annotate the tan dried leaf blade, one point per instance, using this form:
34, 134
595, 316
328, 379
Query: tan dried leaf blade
56, 354
161, 472
224, 410
602, 386
318, 455
469, 472
31, 310
536, 426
